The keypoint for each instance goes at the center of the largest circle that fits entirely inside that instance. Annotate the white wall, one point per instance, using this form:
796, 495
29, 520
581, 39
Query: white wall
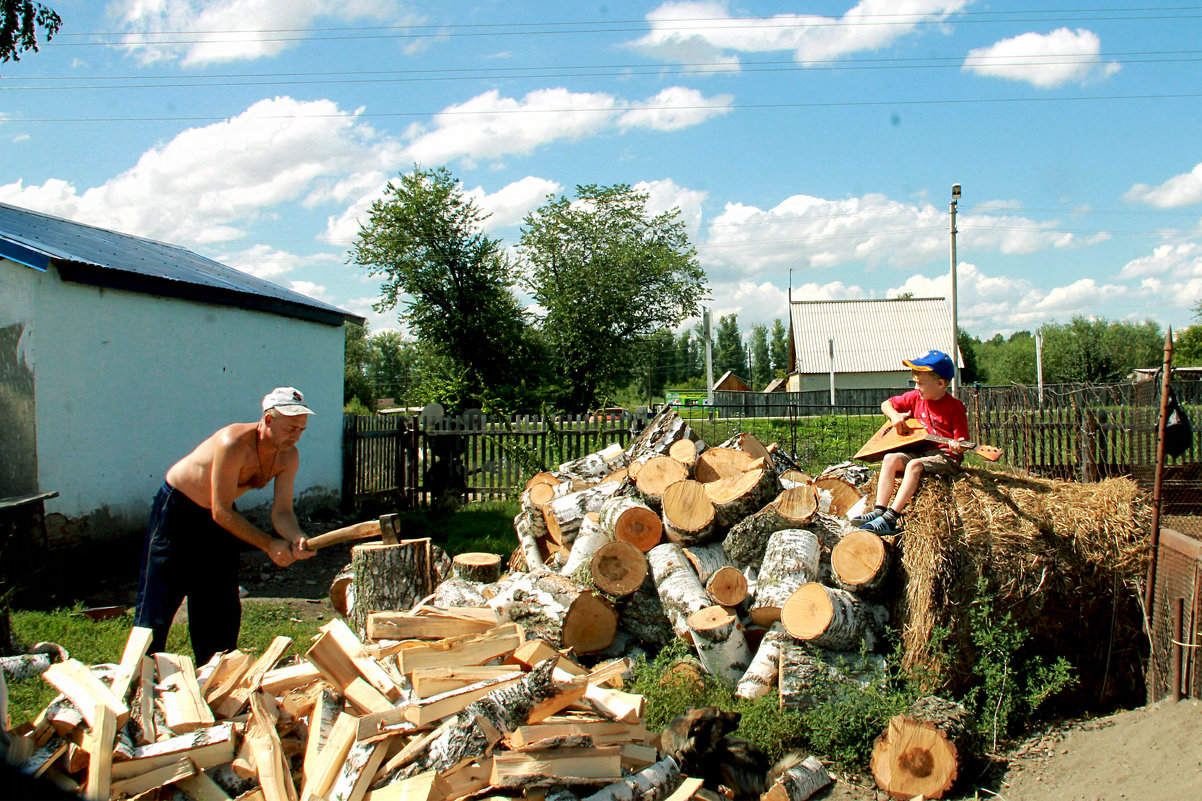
129, 383
899, 380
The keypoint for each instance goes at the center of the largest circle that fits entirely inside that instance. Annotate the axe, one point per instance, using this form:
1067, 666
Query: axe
386, 527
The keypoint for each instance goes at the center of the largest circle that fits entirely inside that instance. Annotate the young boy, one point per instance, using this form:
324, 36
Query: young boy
940, 414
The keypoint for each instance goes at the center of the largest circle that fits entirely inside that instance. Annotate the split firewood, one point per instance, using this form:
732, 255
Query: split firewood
924, 751
589, 539
679, 590
556, 609
654, 783
837, 496
407, 626
746, 541
500, 642
206, 748
183, 705
689, 516
799, 782
564, 514
721, 645
481, 567
321, 722
76, 681
749, 444
791, 560
528, 539
737, 497
762, 675
655, 476
627, 519
860, 561
556, 766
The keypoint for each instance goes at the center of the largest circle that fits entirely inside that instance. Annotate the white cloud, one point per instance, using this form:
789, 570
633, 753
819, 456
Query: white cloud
1180, 261
310, 289
674, 108
1180, 190
666, 194
510, 204
1044, 60
270, 263
705, 32
207, 184
234, 30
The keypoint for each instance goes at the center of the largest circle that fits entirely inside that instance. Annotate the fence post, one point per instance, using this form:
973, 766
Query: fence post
1089, 446
350, 467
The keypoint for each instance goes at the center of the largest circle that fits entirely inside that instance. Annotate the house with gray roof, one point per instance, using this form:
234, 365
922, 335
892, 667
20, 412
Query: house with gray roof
119, 354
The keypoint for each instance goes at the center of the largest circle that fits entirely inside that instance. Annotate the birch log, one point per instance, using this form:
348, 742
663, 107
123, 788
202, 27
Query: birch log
618, 568
749, 444
790, 561
662, 430
564, 514
597, 465
842, 495
721, 645
589, 540
559, 611
747, 539
824, 616
655, 476
860, 562
627, 519
739, 496
761, 676
457, 592
726, 585
718, 463
389, 577
924, 751
534, 499
653, 783
810, 675
679, 590
799, 782
685, 452
707, 559
643, 616
688, 514
482, 567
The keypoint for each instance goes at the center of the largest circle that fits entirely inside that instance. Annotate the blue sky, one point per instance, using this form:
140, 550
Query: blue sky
815, 142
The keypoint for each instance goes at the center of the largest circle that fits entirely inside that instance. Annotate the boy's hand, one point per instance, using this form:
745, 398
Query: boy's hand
901, 424
956, 448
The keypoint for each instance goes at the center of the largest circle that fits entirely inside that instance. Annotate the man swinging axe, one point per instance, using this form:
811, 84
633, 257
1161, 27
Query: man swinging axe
193, 538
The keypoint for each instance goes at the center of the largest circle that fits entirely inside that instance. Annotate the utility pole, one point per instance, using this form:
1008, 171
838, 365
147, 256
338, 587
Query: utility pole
955, 351
707, 319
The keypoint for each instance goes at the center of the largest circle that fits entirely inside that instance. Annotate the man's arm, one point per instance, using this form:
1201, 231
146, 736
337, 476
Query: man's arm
283, 516
224, 491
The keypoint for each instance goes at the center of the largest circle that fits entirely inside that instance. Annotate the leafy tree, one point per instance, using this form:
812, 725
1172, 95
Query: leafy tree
392, 369
968, 354
606, 274
761, 363
358, 354
779, 346
1099, 351
19, 21
1187, 346
728, 348
424, 239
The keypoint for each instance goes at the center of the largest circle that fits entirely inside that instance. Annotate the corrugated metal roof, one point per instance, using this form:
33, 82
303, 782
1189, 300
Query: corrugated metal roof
89, 255
871, 336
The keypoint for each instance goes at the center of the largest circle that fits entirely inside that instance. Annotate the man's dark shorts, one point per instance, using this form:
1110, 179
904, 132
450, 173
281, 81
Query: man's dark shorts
188, 555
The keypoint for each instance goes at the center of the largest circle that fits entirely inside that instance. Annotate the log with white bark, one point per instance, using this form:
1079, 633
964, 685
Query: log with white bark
661, 431
739, 496
825, 616
34, 663
749, 444
457, 592
589, 540
559, 611
482, 567
799, 782
707, 559
837, 495
761, 676
924, 751
747, 539
534, 499
810, 675
689, 516
564, 514
597, 465
618, 568
528, 541
656, 475
679, 590
653, 783
726, 584
389, 577
719, 463
860, 561
482, 722
721, 644
790, 561
628, 519
642, 615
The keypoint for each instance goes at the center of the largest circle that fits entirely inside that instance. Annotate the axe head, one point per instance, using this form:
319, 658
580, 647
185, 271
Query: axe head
389, 528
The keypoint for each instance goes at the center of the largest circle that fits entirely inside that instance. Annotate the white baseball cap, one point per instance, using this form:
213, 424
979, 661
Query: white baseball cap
286, 400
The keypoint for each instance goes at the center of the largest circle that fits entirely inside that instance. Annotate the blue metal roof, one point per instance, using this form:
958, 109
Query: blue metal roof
99, 257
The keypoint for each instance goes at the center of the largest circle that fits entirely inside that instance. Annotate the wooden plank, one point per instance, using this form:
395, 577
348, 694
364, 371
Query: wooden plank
207, 748
159, 777
471, 650
238, 695
131, 661
604, 732
73, 679
99, 744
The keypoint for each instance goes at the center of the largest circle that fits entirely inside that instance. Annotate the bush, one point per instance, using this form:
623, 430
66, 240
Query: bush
355, 406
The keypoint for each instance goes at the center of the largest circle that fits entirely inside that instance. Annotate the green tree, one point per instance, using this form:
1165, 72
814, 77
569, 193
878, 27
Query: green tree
728, 348
779, 346
606, 275
19, 21
761, 362
1099, 351
356, 361
424, 239
392, 368
1187, 346
968, 354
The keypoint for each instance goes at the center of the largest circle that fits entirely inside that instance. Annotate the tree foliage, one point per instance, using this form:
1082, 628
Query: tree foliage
355, 382
606, 274
728, 348
761, 361
424, 238
779, 346
19, 23
1083, 350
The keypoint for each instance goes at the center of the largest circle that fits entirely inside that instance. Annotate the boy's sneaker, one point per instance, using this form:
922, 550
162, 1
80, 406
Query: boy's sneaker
882, 526
867, 517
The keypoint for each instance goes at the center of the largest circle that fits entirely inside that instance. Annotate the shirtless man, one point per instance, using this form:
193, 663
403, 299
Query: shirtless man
192, 541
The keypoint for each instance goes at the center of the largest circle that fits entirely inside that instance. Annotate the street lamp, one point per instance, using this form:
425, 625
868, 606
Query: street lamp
955, 352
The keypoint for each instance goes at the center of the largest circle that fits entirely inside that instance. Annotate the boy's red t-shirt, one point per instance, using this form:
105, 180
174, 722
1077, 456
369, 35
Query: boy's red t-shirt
945, 417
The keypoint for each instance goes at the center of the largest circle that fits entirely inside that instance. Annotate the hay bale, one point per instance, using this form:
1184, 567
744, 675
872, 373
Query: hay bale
1064, 559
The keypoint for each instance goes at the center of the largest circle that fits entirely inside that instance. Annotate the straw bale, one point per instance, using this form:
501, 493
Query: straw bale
1064, 559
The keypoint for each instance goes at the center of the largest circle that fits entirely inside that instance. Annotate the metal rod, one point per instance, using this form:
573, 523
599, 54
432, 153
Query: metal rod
1154, 539
1178, 633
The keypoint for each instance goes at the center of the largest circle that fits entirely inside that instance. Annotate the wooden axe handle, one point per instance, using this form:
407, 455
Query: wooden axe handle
359, 531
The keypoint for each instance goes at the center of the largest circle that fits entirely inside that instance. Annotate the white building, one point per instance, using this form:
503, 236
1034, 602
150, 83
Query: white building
863, 342
118, 355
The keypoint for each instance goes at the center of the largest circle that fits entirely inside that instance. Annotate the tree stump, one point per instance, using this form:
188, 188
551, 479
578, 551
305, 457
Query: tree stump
924, 751
736, 498
790, 561
389, 577
589, 539
689, 517
761, 676
679, 590
618, 568
558, 611
719, 463
656, 475
860, 561
747, 539
799, 782
629, 520
482, 567
824, 616
720, 643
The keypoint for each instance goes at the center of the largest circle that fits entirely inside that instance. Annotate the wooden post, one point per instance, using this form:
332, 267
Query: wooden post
350, 438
